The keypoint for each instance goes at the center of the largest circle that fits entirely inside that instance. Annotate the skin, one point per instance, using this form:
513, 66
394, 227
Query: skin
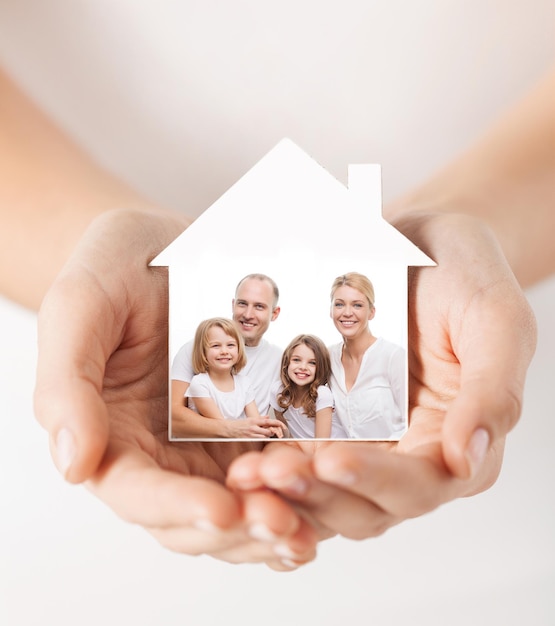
103, 398
472, 338
487, 219
468, 356
254, 309
101, 389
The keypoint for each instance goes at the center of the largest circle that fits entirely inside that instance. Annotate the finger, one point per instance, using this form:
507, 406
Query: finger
269, 532
400, 485
496, 344
244, 472
274, 523
131, 483
71, 359
331, 510
288, 555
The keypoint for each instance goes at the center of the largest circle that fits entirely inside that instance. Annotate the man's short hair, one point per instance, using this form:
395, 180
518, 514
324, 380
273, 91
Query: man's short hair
261, 277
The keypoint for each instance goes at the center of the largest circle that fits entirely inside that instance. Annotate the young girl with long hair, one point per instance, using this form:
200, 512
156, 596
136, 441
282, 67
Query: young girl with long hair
302, 397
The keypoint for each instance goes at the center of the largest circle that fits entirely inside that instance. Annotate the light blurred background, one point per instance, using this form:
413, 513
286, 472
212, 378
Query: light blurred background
181, 98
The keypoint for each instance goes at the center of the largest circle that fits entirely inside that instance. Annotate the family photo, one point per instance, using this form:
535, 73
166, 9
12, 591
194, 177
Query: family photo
230, 382
277, 291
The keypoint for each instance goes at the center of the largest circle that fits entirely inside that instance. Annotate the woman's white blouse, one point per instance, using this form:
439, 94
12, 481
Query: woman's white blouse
375, 406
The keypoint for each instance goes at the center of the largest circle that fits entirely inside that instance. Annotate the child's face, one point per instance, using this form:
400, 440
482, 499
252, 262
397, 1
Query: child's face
302, 365
222, 351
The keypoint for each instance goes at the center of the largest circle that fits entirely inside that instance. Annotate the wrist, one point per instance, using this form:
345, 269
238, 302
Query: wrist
418, 216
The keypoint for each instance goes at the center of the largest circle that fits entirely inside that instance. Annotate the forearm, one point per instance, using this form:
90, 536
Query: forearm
507, 180
49, 193
186, 423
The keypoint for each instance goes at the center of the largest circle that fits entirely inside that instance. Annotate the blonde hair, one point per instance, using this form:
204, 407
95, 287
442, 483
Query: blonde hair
356, 281
200, 344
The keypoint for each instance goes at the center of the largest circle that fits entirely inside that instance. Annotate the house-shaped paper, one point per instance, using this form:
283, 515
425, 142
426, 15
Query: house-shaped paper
288, 218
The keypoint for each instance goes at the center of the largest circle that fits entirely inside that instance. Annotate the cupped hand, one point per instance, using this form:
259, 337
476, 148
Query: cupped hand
471, 338
102, 395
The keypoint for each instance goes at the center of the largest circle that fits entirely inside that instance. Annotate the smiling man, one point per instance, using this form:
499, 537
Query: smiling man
254, 307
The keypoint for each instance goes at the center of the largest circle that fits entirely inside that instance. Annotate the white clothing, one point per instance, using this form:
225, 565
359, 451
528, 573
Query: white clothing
375, 406
300, 425
262, 369
230, 403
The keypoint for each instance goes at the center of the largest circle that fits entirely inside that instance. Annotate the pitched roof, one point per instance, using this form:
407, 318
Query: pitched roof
288, 201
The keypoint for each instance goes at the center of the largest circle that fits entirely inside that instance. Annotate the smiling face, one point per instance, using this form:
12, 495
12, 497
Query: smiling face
302, 365
254, 309
350, 311
221, 351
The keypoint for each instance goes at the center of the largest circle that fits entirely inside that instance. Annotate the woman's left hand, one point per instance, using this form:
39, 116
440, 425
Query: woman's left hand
471, 338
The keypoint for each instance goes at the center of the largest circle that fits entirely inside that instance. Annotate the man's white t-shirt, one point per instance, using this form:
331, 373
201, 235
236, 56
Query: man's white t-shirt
262, 369
375, 406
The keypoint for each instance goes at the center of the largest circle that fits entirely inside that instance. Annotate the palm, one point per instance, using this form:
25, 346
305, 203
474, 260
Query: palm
135, 391
471, 339
103, 361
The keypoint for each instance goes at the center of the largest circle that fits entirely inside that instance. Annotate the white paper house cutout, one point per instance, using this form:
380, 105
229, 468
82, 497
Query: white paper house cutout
289, 218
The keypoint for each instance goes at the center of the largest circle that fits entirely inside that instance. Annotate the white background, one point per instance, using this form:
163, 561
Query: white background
181, 98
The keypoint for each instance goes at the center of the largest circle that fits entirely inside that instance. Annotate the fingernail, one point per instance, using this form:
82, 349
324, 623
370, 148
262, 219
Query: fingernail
346, 478
294, 485
206, 526
290, 564
261, 532
65, 451
477, 449
337, 476
284, 551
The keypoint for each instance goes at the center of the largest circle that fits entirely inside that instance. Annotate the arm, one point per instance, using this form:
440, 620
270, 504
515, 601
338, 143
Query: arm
50, 192
484, 218
207, 407
84, 238
506, 180
186, 423
323, 423
251, 410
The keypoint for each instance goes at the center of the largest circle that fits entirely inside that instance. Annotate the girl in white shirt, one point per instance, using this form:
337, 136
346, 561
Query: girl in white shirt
302, 397
217, 389
367, 372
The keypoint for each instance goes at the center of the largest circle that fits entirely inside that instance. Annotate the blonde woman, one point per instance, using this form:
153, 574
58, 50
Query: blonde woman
367, 372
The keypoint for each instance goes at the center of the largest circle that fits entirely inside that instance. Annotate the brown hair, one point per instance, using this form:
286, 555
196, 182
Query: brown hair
322, 375
200, 344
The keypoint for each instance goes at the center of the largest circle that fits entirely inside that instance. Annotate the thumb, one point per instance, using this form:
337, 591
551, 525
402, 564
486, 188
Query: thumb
480, 416
70, 370
493, 362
